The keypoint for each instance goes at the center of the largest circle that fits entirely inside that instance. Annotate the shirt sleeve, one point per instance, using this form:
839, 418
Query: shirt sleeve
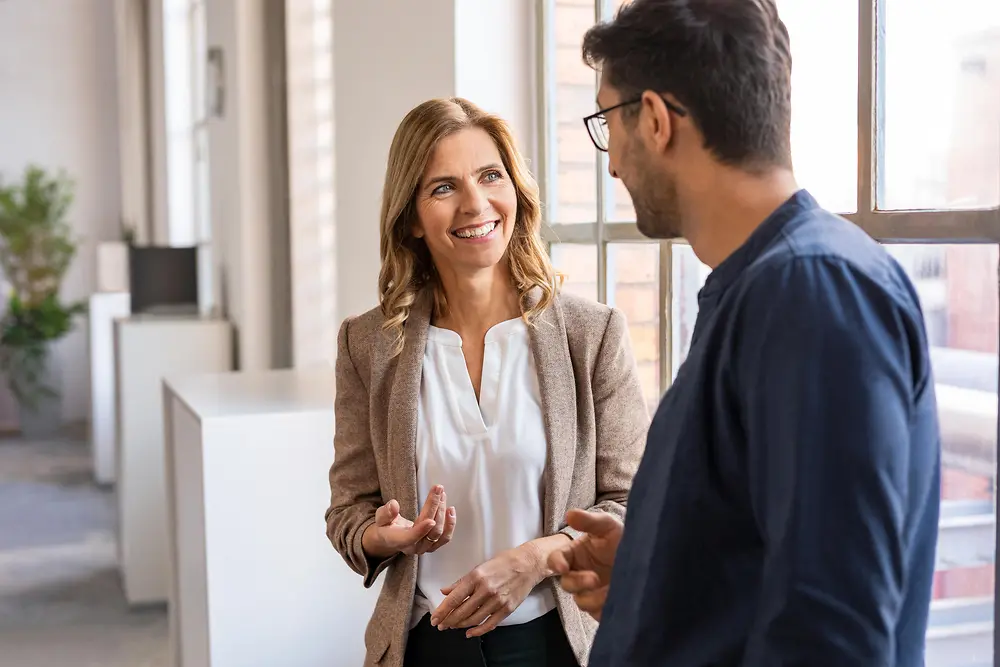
824, 379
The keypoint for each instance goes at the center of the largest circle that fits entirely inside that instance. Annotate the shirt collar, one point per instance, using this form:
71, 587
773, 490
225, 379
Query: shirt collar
733, 266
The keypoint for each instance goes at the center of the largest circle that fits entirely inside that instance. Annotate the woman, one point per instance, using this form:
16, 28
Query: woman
479, 388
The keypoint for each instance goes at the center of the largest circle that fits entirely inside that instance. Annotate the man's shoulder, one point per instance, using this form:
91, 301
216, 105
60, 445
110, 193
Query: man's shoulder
826, 247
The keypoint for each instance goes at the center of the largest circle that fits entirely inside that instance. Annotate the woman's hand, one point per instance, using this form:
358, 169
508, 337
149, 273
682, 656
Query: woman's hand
392, 534
482, 599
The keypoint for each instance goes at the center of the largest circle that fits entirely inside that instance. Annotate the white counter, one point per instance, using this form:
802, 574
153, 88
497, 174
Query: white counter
147, 348
105, 308
255, 582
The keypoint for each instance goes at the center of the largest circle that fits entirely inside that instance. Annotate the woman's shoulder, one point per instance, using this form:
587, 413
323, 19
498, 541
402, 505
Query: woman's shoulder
584, 316
358, 332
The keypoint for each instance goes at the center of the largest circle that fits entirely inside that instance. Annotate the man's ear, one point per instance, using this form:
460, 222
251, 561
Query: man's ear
656, 120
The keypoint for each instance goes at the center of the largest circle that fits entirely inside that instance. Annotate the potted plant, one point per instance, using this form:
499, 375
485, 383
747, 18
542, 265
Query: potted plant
36, 248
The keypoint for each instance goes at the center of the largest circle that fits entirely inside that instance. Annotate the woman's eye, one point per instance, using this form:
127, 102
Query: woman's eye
442, 189
493, 175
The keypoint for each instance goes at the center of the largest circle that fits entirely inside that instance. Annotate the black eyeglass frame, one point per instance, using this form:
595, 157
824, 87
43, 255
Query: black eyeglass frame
680, 111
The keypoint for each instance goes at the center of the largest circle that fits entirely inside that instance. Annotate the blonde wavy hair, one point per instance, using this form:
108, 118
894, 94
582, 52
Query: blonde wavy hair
407, 267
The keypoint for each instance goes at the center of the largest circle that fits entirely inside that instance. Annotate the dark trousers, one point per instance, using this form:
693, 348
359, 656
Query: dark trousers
538, 643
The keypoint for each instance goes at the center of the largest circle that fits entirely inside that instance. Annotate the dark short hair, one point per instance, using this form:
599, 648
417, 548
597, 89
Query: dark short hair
726, 61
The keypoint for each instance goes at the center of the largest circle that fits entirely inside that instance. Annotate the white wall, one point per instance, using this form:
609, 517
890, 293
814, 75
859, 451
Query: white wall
388, 57
58, 77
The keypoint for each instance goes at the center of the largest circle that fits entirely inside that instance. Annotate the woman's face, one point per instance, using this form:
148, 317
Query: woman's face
466, 204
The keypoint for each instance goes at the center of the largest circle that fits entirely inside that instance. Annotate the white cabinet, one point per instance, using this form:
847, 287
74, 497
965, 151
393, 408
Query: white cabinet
147, 349
255, 582
104, 309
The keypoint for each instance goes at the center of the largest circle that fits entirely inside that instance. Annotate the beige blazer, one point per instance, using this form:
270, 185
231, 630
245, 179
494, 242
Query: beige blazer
595, 419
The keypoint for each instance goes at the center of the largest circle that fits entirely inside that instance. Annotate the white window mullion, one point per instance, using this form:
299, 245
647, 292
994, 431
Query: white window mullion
867, 113
602, 213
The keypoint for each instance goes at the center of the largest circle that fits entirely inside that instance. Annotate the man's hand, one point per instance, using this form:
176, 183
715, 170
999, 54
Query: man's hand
392, 534
585, 564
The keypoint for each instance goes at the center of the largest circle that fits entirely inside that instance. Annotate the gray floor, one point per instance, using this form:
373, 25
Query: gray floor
61, 602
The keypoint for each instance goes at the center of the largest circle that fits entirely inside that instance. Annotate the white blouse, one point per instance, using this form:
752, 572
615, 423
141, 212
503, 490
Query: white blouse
489, 456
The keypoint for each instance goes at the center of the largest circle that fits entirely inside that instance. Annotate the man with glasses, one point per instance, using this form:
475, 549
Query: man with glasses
786, 509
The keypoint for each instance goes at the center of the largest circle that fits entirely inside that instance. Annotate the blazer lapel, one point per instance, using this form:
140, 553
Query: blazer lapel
550, 348
402, 407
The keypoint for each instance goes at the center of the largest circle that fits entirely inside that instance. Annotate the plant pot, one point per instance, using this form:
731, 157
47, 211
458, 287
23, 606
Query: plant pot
44, 419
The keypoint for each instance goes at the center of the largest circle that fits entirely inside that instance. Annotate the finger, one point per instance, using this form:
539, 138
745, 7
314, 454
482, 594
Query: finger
418, 531
491, 623
449, 530
456, 595
560, 561
460, 616
580, 582
430, 508
593, 601
479, 616
598, 524
439, 518
387, 513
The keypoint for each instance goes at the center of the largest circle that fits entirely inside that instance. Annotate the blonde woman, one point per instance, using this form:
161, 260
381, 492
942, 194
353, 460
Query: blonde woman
480, 390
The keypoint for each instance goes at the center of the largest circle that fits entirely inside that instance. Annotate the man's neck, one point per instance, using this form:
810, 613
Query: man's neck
722, 215
478, 301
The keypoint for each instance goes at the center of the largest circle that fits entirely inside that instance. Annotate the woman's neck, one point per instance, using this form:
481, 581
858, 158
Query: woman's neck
478, 301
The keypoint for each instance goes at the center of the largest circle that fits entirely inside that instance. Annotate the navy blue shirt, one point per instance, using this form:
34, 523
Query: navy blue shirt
786, 508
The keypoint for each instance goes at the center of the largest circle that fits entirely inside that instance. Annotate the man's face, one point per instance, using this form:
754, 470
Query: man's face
644, 173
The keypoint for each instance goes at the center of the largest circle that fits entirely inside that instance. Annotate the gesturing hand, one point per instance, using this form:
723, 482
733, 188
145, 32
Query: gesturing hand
490, 593
392, 533
585, 563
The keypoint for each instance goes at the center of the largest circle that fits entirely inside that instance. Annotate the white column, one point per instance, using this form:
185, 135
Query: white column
242, 170
389, 57
133, 113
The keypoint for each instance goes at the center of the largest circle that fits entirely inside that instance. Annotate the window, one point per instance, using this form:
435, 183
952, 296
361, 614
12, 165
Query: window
184, 47
926, 183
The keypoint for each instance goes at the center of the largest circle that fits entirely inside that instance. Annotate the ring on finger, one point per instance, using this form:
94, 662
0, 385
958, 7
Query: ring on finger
432, 541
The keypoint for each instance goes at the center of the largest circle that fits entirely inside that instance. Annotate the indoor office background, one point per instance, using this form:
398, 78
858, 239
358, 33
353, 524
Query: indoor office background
256, 131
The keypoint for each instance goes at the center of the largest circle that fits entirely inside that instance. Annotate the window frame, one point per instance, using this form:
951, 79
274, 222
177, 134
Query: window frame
973, 226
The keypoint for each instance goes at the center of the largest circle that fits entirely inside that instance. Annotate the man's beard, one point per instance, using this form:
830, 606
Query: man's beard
654, 196
657, 213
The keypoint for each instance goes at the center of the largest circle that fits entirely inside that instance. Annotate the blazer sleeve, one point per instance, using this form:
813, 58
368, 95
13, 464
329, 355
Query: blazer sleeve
621, 418
354, 488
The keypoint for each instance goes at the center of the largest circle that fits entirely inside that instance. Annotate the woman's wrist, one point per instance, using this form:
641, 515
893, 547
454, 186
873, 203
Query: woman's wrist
372, 545
538, 551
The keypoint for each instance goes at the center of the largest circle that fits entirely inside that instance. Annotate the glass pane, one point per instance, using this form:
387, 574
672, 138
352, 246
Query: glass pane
634, 288
578, 264
573, 197
958, 290
689, 274
942, 101
824, 40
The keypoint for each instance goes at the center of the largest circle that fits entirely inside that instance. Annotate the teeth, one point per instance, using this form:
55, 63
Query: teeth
476, 232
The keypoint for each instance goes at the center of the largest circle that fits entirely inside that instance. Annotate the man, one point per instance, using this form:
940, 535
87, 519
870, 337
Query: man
785, 512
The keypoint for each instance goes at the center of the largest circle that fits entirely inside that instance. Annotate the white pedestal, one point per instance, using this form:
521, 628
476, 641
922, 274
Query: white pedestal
112, 266
255, 581
147, 349
103, 310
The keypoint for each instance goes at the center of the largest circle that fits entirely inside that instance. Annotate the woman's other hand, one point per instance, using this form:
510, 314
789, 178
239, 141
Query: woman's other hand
392, 533
493, 591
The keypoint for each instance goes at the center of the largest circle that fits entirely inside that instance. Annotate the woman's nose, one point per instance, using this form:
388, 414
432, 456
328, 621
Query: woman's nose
475, 201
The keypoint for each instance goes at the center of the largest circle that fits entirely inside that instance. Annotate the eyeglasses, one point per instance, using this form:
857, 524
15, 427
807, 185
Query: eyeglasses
597, 123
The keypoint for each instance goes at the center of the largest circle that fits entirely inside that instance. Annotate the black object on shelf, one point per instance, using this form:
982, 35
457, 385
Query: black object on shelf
163, 279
